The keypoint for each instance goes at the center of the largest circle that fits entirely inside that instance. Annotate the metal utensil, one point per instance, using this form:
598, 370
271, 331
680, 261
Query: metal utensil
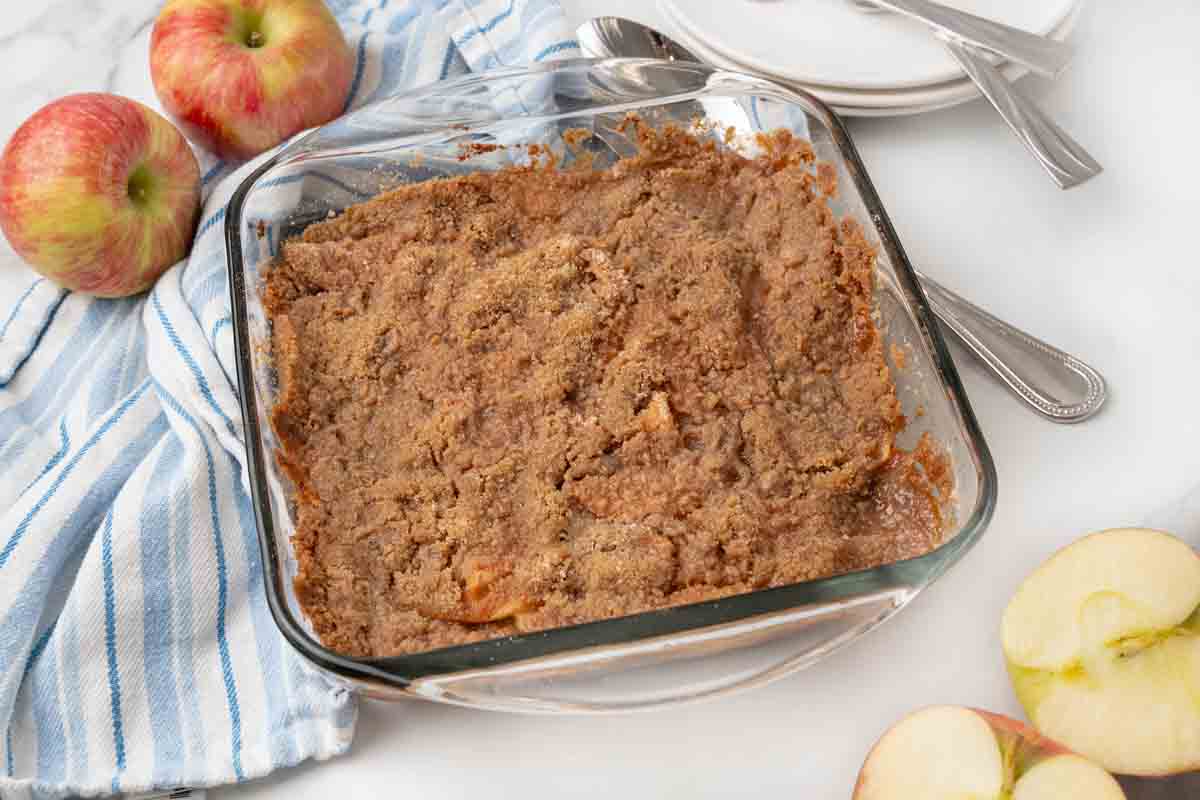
618, 37
1060, 155
1040, 53
1055, 384
1067, 163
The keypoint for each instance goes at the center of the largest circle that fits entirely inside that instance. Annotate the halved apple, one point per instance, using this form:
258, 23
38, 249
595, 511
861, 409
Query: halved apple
1102, 643
954, 753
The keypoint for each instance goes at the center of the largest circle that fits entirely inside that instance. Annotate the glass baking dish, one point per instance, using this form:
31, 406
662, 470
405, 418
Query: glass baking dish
649, 659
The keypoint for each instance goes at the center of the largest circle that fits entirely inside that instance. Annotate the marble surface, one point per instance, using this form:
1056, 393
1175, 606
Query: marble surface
1107, 271
56, 48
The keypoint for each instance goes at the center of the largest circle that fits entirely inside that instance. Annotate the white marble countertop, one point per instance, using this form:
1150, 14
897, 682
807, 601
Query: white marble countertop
1107, 271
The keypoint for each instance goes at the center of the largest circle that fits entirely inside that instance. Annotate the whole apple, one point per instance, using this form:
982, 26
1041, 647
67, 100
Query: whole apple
99, 193
241, 76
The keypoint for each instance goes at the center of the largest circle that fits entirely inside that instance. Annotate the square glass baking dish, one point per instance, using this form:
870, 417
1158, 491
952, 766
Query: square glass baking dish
649, 659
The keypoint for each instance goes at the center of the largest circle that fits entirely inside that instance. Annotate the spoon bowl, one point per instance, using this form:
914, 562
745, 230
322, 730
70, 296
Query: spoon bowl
617, 37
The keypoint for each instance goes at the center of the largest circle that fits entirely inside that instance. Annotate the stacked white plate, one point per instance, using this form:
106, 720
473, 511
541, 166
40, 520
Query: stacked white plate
861, 64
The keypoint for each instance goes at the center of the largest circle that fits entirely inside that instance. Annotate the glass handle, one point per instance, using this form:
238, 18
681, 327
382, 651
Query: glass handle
660, 671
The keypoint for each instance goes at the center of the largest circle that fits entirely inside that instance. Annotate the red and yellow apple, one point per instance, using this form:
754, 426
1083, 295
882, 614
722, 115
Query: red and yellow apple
953, 753
1102, 643
240, 76
99, 193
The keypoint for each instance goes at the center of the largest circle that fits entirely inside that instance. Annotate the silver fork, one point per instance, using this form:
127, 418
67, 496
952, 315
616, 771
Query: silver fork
1040, 53
1066, 161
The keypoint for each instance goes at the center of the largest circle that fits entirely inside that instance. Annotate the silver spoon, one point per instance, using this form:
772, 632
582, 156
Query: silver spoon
1036, 372
1064, 159
1040, 53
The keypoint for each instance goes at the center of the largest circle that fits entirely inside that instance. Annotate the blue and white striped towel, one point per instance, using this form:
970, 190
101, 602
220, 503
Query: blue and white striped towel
136, 648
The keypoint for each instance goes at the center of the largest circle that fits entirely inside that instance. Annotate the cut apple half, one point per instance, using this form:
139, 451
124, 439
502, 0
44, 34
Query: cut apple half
1102, 643
959, 753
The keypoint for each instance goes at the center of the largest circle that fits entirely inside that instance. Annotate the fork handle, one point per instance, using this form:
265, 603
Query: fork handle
1055, 384
1060, 155
1040, 53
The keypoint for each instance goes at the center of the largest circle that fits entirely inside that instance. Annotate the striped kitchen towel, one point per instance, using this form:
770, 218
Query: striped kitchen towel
136, 649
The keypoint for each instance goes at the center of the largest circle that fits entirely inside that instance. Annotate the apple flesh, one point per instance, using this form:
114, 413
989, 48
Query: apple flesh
955, 753
1102, 644
99, 193
240, 76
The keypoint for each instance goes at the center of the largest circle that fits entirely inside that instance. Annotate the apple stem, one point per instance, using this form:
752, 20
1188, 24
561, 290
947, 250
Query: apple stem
1008, 754
255, 39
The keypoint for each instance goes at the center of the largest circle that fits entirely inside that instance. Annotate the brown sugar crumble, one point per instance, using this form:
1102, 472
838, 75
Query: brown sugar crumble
529, 398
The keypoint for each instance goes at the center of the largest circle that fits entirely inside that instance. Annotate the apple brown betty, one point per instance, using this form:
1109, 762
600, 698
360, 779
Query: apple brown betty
529, 398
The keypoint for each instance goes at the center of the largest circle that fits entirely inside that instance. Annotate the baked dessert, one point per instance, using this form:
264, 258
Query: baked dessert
530, 398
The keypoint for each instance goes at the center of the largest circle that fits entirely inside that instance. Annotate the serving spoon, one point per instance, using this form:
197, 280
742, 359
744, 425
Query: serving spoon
1053, 383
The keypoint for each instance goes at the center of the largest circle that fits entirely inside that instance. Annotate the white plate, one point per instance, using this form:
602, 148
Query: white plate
830, 43
878, 103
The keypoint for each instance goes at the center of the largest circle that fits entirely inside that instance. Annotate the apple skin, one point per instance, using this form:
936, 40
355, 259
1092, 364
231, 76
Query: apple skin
240, 76
1030, 738
99, 193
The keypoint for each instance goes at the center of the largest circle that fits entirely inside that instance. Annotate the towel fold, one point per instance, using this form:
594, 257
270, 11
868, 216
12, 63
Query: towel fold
136, 649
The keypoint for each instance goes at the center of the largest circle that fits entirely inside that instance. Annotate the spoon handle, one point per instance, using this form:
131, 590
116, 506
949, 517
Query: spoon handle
1061, 156
1037, 373
1040, 53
